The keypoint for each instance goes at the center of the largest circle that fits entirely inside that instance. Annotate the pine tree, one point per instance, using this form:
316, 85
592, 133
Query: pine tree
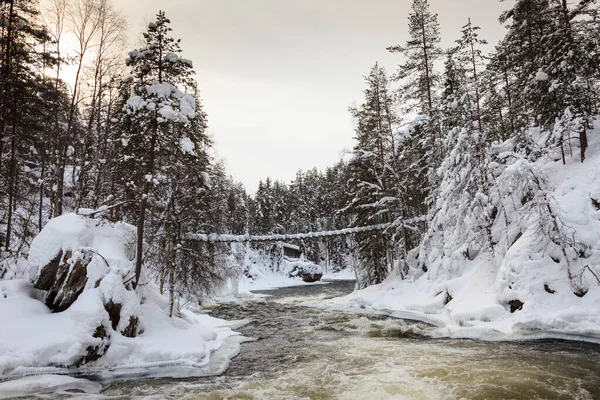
470, 55
370, 184
264, 208
417, 74
24, 99
417, 92
165, 128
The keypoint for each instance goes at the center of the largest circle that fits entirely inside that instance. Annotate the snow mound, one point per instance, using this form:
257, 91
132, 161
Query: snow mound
110, 329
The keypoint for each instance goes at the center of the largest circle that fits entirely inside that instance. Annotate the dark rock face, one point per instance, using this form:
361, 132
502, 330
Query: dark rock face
64, 278
47, 276
95, 352
448, 298
515, 305
132, 329
114, 313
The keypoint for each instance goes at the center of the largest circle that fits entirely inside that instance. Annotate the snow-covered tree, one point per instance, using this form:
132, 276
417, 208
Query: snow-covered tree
371, 189
165, 137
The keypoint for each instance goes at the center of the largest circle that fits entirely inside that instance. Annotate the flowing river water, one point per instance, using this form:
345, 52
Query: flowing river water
305, 353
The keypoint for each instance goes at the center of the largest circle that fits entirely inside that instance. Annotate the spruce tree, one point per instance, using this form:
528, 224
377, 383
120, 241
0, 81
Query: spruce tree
165, 129
370, 185
24, 98
419, 83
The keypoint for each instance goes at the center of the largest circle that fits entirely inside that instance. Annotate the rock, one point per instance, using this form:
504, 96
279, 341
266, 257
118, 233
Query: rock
64, 279
596, 203
132, 329
47, 276
309, 272
114, 313
515, 305
448, 298
308, 277
95, 352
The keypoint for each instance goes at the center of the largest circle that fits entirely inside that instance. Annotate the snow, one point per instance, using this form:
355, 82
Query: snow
469, 297
347, 274
162, 90
55, 384
164, 100
541, 76
187, 146
171, 57
260, 270
291, 246
264, 276
34, 341
187, 107
296, 236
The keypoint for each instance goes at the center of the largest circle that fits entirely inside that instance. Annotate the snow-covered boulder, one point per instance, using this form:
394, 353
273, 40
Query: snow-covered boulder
308, 271
74, 253
85, 312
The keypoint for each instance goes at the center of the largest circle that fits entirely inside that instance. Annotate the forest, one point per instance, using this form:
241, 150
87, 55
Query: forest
446, 141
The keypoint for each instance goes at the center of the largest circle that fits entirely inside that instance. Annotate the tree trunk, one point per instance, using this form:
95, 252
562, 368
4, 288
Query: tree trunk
41, 194
11, 188
583, 142
475, 78
60, 184
142, 213
140, 239
171, 289
6, 75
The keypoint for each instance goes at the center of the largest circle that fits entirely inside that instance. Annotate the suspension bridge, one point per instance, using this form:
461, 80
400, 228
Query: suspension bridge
224, 238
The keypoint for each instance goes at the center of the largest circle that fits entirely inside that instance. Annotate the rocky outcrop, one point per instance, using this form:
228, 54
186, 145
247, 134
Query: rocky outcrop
64, 278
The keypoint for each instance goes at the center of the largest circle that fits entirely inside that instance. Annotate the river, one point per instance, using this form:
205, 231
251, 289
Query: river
305, 353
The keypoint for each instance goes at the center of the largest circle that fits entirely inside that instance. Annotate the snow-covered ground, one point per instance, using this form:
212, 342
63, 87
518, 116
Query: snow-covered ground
472, 298
36, 341
343, 275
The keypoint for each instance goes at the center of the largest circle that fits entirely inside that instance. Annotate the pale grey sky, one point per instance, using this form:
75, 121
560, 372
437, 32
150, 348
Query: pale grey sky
277, 76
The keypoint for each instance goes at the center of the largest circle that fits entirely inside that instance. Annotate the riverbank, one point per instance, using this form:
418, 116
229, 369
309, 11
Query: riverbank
302, 352
480, 318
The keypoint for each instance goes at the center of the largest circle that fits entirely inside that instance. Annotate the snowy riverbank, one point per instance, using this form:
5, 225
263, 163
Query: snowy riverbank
530, 287
88, 320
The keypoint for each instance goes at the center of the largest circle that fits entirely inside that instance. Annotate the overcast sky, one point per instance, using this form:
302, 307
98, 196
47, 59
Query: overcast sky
277, 76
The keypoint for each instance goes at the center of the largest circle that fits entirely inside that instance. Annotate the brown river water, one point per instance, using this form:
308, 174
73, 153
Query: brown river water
305, 353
